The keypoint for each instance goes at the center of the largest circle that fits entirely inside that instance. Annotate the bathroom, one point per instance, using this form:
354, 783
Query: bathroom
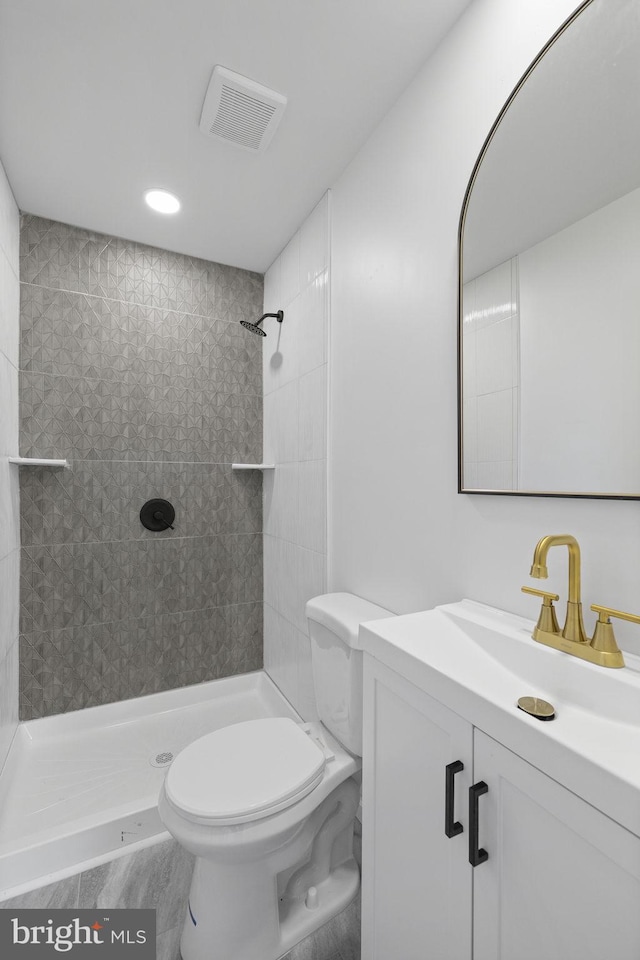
358, 410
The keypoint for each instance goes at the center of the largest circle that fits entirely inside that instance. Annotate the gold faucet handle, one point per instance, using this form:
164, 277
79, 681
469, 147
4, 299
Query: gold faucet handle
605, 612
603, 636
548, 598
547, 622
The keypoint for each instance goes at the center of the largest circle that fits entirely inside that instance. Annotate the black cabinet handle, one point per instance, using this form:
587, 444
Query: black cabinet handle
476, 854
451, 828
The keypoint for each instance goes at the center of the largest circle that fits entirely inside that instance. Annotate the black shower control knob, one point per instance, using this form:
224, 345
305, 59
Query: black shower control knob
157, 515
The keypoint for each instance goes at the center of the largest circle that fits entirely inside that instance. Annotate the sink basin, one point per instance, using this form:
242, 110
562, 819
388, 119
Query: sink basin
479, 661
506, 640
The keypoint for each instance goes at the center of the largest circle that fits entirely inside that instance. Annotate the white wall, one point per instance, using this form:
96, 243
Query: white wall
9, 505
579, 297
400, 535
295, 439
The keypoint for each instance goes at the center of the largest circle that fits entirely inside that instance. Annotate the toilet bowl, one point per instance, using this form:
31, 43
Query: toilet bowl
268, 807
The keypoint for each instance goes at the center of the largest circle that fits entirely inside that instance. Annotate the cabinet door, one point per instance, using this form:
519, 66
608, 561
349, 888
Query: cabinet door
562, 881
416, 892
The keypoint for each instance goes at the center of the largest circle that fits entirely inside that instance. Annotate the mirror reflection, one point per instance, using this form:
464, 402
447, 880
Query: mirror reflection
550, 274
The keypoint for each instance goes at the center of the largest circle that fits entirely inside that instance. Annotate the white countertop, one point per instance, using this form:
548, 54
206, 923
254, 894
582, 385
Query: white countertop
479, 660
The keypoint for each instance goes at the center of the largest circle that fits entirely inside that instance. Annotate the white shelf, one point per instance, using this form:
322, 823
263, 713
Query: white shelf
253, 466
38, 462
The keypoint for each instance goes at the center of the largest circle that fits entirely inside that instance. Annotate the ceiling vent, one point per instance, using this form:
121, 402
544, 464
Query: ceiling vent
241, 111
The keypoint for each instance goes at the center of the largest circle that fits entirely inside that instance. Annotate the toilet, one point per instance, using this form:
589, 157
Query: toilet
268, 807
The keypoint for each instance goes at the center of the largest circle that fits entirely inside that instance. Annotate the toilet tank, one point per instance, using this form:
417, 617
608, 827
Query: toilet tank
336, 657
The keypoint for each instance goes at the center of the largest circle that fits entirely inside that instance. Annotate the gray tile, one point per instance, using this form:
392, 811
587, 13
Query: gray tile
75, 335
64, 585
63, 257
338, 938
88, 419
68, 669
346, 931
135, 368
158, 877
56, 896
101, 500
168, 944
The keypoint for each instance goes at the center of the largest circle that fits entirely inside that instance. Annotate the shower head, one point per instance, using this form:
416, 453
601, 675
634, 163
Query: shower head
256, 328
253, 327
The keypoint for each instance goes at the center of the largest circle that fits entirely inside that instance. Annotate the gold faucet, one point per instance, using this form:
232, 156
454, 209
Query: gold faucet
602, 648
573, 626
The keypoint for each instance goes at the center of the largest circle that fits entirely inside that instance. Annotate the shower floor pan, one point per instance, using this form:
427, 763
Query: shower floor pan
80, 788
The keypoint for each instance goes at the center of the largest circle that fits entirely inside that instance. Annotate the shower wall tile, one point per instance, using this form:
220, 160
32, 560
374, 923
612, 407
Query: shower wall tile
272, 300
314, 242
101, 501
8, 699
9, 505
312, 415
280, 502
294, 576
75, 335
295, 373
9, 583
79, 418
290, 270
134, 367
63, 257
9, 305
67, 669
312, 505
9, 225
9, 508
281, 424
313, 333
81, 583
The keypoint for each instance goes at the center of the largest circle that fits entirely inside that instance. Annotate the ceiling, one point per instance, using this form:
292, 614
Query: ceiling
101, 100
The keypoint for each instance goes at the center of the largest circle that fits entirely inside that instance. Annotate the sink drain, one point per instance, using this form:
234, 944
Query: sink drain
535, 707
161, 759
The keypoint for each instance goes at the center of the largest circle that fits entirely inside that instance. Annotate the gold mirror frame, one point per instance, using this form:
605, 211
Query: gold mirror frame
487, 143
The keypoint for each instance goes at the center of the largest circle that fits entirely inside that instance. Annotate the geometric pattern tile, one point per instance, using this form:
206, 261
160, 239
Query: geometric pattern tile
62, 257
75, 584
174, 420
134, 367
74, 335
76, 667
97, 500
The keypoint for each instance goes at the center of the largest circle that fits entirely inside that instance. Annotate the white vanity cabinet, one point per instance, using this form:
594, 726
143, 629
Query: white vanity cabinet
416, 882
561, 880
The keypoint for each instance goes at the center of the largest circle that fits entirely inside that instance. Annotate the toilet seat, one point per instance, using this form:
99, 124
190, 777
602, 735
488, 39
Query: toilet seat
245, 771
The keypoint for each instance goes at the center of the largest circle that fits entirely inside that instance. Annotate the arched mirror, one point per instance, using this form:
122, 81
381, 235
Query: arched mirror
549, 318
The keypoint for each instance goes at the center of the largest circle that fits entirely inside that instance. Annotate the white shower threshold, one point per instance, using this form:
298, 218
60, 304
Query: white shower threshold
80, 788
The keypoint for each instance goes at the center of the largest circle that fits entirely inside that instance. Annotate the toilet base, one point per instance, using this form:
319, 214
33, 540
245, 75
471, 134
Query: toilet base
258, 908
333, 896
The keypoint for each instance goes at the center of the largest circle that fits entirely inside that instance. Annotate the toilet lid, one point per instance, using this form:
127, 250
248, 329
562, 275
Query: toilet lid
244, 771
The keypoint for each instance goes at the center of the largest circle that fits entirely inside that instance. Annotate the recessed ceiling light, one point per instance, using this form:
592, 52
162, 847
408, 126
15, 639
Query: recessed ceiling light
162, 201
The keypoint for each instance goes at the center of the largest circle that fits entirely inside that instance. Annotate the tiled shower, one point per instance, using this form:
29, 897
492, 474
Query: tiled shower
133, 367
